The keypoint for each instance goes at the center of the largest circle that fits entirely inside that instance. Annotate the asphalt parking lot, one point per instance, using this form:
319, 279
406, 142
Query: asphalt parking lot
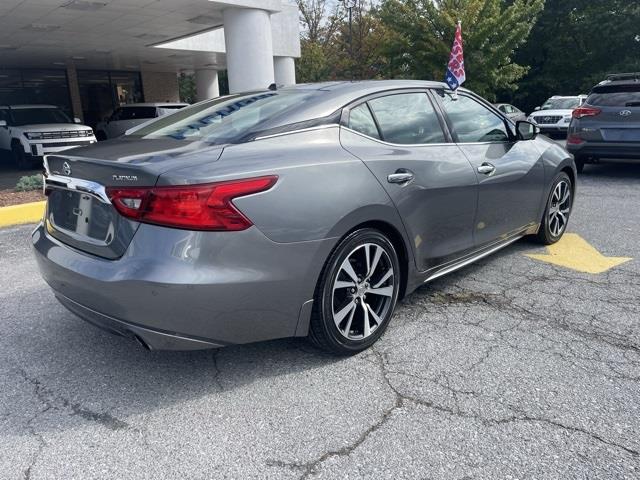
510, 368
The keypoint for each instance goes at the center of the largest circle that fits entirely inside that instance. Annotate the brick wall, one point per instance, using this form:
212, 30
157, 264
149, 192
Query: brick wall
160, 87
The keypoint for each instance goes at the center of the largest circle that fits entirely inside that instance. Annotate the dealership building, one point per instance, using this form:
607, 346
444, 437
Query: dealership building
90, 56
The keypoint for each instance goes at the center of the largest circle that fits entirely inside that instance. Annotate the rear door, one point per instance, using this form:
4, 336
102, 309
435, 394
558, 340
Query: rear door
619, 117
510, 173
401, 139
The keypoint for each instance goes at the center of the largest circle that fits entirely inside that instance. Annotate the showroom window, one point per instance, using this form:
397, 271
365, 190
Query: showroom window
32, 86
101, 92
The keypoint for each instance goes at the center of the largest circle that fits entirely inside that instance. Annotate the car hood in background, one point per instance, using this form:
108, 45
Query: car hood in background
52, 127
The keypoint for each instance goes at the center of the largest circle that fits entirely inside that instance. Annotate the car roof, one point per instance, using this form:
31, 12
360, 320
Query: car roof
326, 98
21, 107
155, 104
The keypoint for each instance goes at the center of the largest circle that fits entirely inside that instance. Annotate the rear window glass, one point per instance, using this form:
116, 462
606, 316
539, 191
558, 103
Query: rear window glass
615, 96
132, 113
407, 119
225, 119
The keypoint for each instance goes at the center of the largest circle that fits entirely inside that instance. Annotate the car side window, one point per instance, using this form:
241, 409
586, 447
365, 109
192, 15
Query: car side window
473, 122
407, 119
360, 120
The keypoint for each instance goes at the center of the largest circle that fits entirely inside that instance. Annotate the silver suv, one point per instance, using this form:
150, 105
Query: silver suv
608, 124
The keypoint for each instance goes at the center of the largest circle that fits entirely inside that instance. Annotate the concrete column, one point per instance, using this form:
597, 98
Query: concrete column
247, 36
284, 70
74, 92
207, 84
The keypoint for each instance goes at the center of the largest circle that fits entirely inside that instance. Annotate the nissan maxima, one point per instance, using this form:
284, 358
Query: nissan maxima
300, 211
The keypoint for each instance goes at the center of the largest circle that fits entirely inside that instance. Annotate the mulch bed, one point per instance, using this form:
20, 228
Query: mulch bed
11, 197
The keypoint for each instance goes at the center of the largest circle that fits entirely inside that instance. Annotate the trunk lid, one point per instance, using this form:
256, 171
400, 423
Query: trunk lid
78, 211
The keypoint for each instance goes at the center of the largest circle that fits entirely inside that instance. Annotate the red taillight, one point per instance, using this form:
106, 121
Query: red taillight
195, 207
585, 112
574, 140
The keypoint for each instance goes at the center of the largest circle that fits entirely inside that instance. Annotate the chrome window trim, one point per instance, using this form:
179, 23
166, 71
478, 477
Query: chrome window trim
290, 132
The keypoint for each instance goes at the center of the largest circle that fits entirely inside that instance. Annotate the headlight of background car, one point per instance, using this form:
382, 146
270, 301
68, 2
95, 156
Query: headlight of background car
88, 133
33, 135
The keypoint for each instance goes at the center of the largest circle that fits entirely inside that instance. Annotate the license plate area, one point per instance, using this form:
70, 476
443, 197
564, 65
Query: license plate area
82, 215
621, 134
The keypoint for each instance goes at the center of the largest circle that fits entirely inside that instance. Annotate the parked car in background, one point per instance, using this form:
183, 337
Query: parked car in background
554, 116
128, 116
31, 131
608, 124
306, 210
510, 111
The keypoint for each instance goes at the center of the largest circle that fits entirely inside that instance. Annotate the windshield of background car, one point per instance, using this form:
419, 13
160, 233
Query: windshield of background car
615, 96
561, 104
36, 116
223, 120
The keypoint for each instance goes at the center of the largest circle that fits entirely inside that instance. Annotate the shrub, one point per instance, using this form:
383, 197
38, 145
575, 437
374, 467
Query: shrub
25, 184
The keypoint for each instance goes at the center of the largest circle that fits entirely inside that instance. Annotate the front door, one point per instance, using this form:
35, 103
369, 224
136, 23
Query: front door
510, 172
400, 138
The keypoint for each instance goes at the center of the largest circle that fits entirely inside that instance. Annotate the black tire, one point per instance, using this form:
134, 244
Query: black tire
579, 164
549, 232
323, 331
22, 160
101, 136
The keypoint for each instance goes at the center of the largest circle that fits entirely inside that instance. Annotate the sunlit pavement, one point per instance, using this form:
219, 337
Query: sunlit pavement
511, 368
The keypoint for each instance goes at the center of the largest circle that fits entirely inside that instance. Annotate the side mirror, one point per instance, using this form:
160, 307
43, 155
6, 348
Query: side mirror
3, 123
536, 109
77, 120
526, 130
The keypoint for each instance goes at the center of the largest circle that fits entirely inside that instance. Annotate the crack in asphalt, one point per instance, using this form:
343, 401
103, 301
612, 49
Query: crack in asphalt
53, 401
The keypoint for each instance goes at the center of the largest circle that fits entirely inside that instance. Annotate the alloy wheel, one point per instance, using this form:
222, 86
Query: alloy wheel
363, 291
559, 208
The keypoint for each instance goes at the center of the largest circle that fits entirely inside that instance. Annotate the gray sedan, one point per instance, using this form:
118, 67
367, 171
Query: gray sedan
302, 211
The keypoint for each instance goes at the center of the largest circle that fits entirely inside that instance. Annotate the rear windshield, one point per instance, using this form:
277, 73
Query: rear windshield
615, 96
37, 116
225, 119
561, 103
132, 113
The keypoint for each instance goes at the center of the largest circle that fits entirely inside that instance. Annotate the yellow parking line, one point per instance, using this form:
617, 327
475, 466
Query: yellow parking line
573, 252
21, 214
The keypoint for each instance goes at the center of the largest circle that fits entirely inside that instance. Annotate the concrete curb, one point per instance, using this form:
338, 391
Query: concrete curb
21, 214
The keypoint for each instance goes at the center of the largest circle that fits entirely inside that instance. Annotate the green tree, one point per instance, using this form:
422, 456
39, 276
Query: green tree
187, 87
420, 34
319, 23
575, 44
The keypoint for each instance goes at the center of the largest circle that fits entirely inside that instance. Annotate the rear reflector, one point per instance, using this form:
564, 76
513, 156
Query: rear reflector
193, 207
585, 112
574, 140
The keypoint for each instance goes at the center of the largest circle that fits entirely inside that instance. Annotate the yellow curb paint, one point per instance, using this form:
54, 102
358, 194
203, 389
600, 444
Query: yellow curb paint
574, 252
20, 214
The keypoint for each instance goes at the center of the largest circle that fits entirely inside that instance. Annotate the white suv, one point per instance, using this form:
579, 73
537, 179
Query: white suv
31, 131
131, 115
555, 114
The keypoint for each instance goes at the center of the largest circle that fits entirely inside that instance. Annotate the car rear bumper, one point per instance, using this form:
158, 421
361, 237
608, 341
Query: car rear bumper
176, 289
629, 151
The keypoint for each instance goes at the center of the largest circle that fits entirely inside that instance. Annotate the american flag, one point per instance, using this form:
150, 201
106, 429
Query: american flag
455, 75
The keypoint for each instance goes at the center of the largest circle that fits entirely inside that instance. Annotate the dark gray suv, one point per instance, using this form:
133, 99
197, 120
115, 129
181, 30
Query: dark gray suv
608, 124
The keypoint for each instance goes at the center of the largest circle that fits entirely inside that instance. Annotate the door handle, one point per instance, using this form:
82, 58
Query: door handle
486, 168
400, 176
